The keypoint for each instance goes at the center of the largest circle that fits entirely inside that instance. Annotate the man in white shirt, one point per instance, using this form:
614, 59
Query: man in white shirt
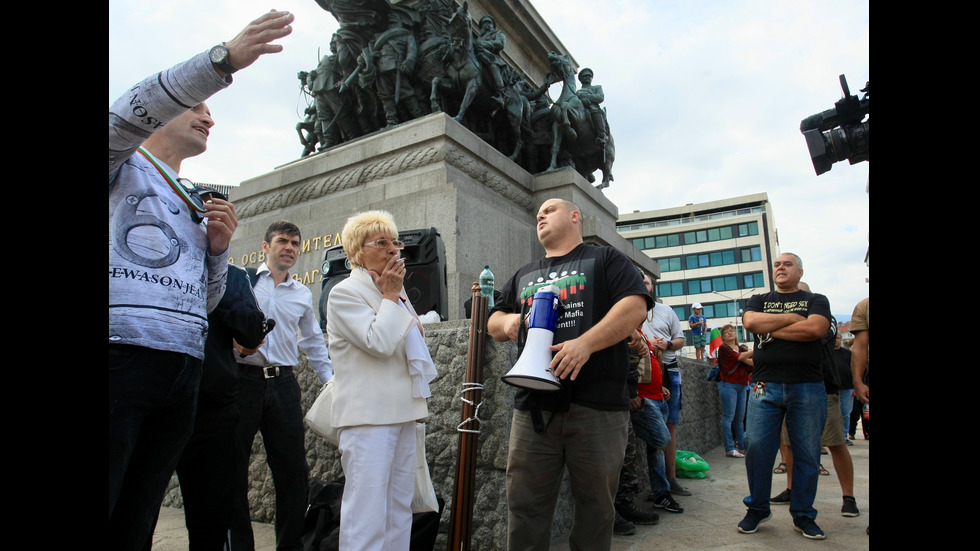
663, 328
269, 397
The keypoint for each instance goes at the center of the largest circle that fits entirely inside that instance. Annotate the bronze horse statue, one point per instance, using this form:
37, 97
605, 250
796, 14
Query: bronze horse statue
463, 75
462, 70
572, 128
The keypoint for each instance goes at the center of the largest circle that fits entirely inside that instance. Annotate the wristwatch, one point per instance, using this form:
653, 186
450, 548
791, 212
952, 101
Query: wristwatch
670, 345
219, 58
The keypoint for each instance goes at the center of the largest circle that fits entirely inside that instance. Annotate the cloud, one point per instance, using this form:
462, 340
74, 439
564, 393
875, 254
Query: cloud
704, 101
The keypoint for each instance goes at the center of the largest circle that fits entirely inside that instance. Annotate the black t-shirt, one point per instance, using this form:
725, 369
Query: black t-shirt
781, 361
590, 281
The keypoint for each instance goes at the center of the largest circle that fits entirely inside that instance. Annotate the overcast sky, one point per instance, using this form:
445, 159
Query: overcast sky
704, 99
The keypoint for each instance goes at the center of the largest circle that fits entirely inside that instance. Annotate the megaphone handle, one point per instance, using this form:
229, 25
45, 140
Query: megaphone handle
522, 327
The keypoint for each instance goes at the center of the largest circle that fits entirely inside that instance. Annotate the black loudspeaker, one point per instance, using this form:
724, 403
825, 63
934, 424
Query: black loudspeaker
425, 276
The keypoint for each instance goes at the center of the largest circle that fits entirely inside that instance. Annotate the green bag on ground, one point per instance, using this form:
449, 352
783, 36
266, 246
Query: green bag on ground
691, 465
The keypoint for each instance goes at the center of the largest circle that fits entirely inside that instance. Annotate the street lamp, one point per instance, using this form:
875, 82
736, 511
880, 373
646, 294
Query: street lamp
735, 304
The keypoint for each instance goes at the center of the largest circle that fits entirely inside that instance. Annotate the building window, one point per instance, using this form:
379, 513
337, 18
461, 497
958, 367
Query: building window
750, 228
719, 233
752, 254
679, 310
670, 289
753, 281
670, 264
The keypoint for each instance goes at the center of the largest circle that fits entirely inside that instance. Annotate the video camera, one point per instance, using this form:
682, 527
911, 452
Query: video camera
839, 133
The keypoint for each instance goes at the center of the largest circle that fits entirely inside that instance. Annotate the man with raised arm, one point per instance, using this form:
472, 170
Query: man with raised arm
168, 256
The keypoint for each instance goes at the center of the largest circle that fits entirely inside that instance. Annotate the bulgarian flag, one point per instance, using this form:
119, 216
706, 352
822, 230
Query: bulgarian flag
714, 341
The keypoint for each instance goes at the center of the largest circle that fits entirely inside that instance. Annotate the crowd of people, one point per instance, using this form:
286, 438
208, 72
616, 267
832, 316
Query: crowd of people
202, 357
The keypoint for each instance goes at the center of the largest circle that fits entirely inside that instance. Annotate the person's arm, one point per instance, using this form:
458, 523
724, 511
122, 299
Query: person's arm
377, 333
810, 329
727, 358
503, 326
240, 312
859, 361
615, 326
162, 97
312, 343
677, 340
503, 323
761, 323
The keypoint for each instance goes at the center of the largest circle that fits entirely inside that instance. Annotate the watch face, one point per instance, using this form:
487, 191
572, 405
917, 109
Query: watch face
219, 54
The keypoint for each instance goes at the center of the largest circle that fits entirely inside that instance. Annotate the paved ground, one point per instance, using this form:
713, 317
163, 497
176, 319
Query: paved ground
708, 520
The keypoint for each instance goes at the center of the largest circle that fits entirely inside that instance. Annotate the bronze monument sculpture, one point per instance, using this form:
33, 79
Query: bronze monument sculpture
389, 64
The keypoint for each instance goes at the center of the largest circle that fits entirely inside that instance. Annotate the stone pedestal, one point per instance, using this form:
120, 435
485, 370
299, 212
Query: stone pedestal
428, 172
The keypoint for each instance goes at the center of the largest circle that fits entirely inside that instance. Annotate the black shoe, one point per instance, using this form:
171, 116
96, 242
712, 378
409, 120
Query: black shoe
623, 527
781, 499
808, 528
753, 518
666, 502
635, 515
850, 508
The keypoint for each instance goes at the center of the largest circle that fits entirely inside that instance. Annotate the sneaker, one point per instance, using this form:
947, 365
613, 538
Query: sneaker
666, 502
634, 515
850, 508
753, 518
781, 499
848, 442
808, 528
623, 527
676, 488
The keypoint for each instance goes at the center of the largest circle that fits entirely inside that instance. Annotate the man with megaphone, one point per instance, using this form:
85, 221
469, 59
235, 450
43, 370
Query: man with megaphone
581, 424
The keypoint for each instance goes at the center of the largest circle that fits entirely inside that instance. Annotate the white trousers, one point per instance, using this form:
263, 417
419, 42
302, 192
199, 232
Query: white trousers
379, 464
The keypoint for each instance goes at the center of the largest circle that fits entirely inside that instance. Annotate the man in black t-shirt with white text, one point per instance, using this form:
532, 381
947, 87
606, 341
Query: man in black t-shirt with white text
583, 425
788, 382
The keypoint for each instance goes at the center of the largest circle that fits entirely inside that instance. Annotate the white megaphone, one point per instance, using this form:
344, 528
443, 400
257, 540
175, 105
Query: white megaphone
533, 369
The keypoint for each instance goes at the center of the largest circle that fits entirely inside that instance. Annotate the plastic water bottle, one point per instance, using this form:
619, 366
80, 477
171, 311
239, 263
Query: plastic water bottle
486, 285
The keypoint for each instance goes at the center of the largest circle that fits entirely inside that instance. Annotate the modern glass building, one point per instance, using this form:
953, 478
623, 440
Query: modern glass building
717, 253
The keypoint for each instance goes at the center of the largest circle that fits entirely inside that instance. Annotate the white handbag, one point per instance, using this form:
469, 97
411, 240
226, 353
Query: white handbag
425, 495
318, 418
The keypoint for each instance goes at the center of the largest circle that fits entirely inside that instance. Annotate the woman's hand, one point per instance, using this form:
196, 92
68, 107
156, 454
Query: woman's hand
391, 280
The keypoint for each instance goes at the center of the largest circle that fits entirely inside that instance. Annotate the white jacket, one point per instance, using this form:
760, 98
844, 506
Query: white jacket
367, 344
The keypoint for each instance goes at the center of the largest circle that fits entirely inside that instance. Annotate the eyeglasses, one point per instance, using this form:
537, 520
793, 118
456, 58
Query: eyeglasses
383, 244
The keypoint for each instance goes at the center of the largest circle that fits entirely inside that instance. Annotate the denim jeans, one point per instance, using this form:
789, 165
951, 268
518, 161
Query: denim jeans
673, 415
733, 401
804, 407
152, 400
648, 422
846, 403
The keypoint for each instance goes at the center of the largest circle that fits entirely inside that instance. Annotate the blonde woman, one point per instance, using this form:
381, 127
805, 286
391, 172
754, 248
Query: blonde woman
382, 371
